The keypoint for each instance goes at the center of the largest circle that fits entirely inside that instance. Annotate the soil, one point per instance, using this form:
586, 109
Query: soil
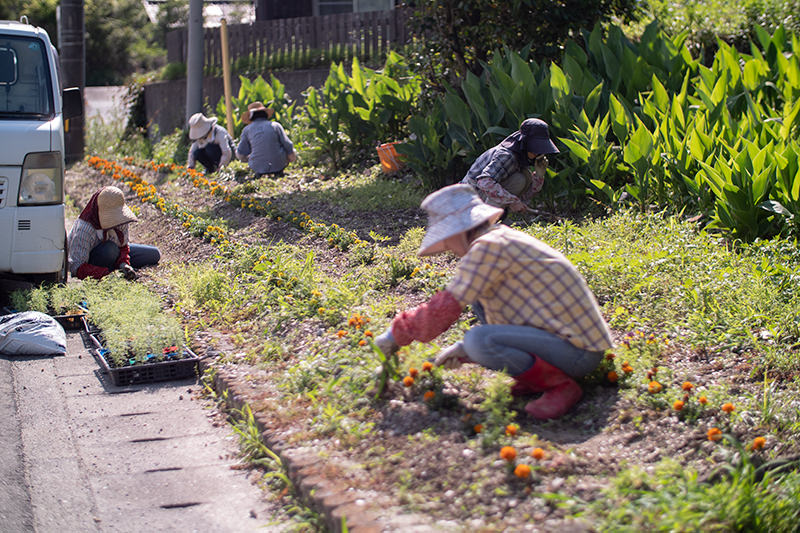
420, 461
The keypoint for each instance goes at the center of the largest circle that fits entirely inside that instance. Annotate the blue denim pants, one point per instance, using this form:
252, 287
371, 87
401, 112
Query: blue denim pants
509, 348
106, 253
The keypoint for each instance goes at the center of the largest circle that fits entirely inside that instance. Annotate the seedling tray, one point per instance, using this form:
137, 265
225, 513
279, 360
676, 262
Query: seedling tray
71, 322
168, 370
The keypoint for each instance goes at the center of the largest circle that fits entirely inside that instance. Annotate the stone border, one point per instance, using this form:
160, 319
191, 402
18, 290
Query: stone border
330, 498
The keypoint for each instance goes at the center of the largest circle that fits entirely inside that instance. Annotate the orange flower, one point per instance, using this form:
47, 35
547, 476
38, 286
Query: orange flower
728, 407
408, 381
703, 400
362, 342
341, 333
428, 396
714, 434
478, 428
758, 443
627, 368
522, 471
511, 430
610, 356
413, 372
678, 405
368, 333
427, 366
654, 387
538, 454
687, 386
612, 376
508, 453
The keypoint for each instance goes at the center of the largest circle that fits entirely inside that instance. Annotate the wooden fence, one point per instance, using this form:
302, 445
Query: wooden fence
365, 35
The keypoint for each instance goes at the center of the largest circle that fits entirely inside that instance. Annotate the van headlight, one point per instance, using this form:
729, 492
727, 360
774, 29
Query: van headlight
42, 179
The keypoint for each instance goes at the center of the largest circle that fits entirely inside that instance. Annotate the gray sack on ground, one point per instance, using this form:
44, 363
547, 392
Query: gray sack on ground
31, 333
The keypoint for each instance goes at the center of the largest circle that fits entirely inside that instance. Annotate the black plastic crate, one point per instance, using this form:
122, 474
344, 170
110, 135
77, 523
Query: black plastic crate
169, 370
71, 322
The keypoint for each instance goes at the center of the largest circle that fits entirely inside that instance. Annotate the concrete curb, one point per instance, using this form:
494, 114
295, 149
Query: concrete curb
330, 498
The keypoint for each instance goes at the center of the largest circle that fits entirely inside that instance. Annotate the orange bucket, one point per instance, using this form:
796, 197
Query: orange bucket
390, 159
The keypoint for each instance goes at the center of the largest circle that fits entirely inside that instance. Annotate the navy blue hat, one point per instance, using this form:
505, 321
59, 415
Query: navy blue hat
536, 137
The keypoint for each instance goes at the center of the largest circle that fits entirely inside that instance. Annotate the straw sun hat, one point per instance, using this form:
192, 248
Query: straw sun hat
247, 116
453, 210
111, 208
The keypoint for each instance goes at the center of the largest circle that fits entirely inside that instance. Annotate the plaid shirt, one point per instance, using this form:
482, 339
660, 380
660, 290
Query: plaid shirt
520, 280
492, 169
83, 237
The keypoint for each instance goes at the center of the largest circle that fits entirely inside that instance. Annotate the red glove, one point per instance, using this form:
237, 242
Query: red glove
86, 270
124, 256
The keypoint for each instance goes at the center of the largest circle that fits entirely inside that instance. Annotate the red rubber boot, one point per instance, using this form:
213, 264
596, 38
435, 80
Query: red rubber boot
561, 392
523, 385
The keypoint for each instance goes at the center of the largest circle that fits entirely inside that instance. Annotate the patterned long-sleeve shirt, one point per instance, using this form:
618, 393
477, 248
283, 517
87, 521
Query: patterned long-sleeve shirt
493, 169
83, 237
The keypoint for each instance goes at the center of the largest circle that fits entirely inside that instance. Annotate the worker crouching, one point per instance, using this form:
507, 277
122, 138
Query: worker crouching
538, 320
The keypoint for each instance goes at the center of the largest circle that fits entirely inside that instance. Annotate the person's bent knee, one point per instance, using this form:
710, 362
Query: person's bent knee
104, 254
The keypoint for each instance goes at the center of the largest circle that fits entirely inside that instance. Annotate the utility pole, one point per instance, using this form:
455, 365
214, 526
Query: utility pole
73, 70
194, 61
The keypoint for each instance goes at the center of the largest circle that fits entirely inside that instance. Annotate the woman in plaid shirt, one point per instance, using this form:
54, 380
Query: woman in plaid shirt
98, 241
543, 324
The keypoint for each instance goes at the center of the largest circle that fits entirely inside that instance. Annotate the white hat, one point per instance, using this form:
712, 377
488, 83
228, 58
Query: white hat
453, 210
200, 126
111, 208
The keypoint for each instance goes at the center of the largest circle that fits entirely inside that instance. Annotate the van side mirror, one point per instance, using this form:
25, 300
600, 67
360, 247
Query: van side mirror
72, 102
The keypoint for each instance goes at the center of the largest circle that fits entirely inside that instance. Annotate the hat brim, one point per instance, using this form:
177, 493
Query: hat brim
536, 145
247, 115
120, 216
437, 233
199, 131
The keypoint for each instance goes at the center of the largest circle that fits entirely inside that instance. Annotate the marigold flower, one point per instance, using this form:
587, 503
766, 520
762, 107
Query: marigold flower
508, 453
368, 333
627, 368
427, 366
363, 342
612, 376
758, 443
408, 381
714, 434
477, 428
610, 356
678, 405
413, 372
538, 454
654, 387
511, 430
687, 386
703, 400
428, 396
728, 407
522, 471
341, 333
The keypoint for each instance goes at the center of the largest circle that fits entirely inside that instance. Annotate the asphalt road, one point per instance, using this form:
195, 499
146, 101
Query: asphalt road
82, 455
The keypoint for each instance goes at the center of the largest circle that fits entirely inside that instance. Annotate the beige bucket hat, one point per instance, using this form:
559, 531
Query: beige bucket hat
200, 126
111, 208
452, 210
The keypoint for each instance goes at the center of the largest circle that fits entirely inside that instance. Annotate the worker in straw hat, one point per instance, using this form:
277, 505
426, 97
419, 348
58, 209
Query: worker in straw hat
502, 174
211, 144
542, 323
264, 144
98, 241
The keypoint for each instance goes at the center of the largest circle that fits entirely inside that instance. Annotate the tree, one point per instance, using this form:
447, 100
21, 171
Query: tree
460, 34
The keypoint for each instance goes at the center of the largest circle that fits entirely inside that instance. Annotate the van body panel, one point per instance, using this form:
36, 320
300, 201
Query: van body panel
24, 136
32, 237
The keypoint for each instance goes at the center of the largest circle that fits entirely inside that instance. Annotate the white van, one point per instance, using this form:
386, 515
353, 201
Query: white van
32, 112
